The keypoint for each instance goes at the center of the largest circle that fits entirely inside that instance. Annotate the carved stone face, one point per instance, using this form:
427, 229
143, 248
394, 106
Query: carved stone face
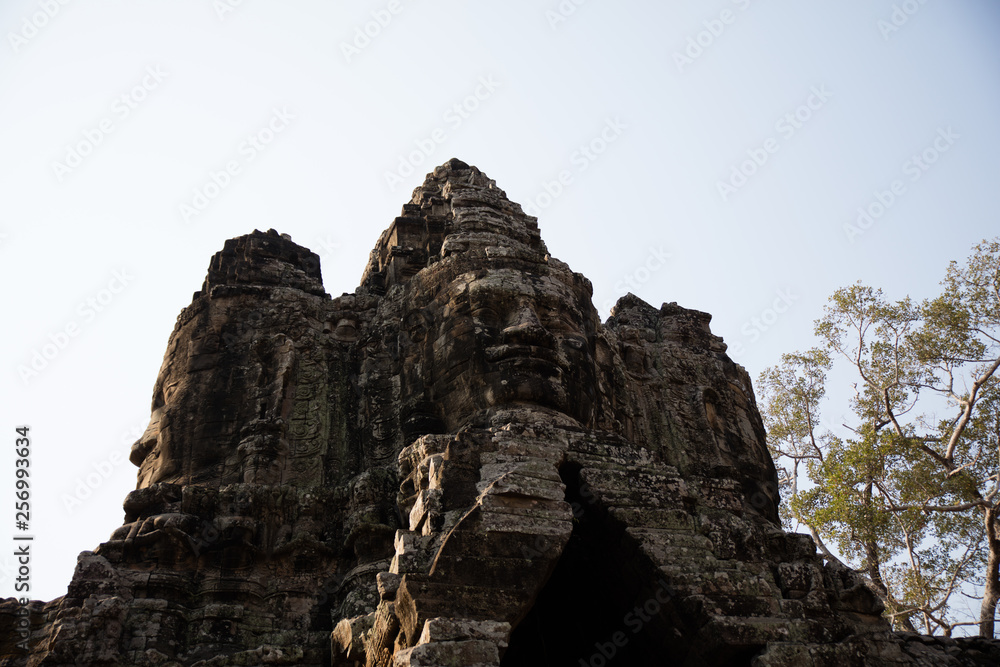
190, 427
153, 451
215, 404
503, 338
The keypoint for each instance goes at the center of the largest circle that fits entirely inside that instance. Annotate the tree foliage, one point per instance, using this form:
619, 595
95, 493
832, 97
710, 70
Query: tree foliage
909, 495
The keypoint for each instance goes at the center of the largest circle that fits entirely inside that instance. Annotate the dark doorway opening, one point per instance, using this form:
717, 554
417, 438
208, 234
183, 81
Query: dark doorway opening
596, 609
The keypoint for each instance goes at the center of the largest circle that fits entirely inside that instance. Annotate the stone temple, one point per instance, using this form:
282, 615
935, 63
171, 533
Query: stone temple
457, 464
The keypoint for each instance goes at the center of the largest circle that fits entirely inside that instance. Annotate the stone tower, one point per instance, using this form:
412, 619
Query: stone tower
457, 464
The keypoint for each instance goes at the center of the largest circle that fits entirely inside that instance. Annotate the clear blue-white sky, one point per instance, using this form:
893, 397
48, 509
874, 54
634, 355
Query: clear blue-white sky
714, 153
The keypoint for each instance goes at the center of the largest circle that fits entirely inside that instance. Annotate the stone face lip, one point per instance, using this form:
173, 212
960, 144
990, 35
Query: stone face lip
457, 464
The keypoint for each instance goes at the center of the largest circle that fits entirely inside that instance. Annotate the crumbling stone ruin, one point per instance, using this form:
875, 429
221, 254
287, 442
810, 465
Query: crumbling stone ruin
457, 464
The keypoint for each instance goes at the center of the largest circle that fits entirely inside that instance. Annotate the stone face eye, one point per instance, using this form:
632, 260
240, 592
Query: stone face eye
486, 317
167, 393
574, 342
556, 320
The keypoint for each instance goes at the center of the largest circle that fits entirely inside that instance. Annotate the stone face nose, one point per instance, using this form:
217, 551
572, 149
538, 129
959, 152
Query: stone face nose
146, 442
525, 329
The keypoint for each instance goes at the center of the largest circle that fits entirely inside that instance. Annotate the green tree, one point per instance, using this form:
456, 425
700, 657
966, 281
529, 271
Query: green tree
912, 494
793, 391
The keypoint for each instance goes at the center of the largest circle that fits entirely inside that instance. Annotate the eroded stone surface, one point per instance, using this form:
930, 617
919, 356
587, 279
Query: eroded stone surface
457, 464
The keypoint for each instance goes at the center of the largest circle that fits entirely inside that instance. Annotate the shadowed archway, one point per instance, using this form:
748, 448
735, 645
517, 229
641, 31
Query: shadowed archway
595, 610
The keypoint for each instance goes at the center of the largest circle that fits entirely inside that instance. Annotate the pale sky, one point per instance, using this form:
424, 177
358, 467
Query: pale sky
715, 154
